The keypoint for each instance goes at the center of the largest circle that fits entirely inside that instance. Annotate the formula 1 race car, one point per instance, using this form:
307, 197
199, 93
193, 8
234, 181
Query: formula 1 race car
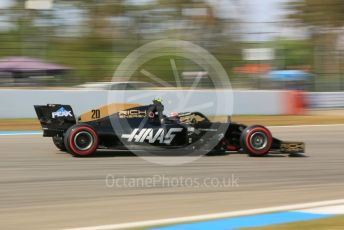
125, 126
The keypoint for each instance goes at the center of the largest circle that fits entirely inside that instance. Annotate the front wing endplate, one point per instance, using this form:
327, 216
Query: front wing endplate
292, 147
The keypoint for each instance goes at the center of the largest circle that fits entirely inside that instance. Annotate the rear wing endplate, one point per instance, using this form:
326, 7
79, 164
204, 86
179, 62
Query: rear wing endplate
55, 119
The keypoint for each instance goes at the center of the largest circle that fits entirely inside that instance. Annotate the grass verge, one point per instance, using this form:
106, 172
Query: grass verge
331, 223
289, 120
19, 124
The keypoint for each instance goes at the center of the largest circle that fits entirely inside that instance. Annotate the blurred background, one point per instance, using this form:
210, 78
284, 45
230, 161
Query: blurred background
271, 44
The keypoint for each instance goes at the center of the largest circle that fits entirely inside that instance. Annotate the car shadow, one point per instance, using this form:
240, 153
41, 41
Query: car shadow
127, 153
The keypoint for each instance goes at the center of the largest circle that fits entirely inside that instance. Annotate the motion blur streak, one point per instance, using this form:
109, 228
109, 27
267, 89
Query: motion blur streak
249, 37
250, 218
36, 179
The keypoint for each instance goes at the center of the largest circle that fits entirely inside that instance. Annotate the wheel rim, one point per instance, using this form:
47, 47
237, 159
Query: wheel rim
259, 140
83, 140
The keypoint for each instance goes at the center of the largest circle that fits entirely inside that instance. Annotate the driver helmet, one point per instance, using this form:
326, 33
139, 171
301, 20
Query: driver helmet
157, 100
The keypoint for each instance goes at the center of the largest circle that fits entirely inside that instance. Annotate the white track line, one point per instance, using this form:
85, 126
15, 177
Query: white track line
211, 216
332, 210
19, 134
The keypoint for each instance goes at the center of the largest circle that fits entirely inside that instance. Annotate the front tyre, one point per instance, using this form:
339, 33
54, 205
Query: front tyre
256, 140
81, 140
59, 143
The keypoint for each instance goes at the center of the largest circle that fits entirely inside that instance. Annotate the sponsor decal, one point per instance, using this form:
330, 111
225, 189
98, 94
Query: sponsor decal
61, 112
132, 113
160, 136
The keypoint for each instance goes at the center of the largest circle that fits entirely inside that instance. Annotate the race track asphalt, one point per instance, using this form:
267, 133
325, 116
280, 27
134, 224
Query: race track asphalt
43, 188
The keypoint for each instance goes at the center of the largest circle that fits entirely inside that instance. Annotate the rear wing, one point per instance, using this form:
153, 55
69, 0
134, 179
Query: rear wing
55, 119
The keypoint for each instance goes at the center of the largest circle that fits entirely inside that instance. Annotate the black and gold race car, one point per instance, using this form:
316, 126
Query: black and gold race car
133, 126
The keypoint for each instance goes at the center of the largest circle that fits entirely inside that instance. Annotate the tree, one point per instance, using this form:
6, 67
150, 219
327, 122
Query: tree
318, 13
324, 20
101, 33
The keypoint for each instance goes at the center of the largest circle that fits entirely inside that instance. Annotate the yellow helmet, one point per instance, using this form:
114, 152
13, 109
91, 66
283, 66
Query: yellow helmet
159, 100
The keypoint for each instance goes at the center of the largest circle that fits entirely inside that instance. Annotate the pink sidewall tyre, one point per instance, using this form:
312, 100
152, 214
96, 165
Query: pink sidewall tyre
81, 140
256, 140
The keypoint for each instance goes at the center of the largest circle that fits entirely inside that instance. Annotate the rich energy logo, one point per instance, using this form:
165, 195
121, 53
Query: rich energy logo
62, 112
133, 113
147, 134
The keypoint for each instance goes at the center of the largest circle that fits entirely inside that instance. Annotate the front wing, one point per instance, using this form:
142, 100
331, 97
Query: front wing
289, 147
292, 147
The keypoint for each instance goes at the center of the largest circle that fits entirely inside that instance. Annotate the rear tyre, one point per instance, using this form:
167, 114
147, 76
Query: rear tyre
81, 140
59, 143
256, 140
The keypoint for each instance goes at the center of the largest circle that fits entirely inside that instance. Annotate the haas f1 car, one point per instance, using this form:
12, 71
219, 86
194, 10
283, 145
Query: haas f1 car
127, 126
